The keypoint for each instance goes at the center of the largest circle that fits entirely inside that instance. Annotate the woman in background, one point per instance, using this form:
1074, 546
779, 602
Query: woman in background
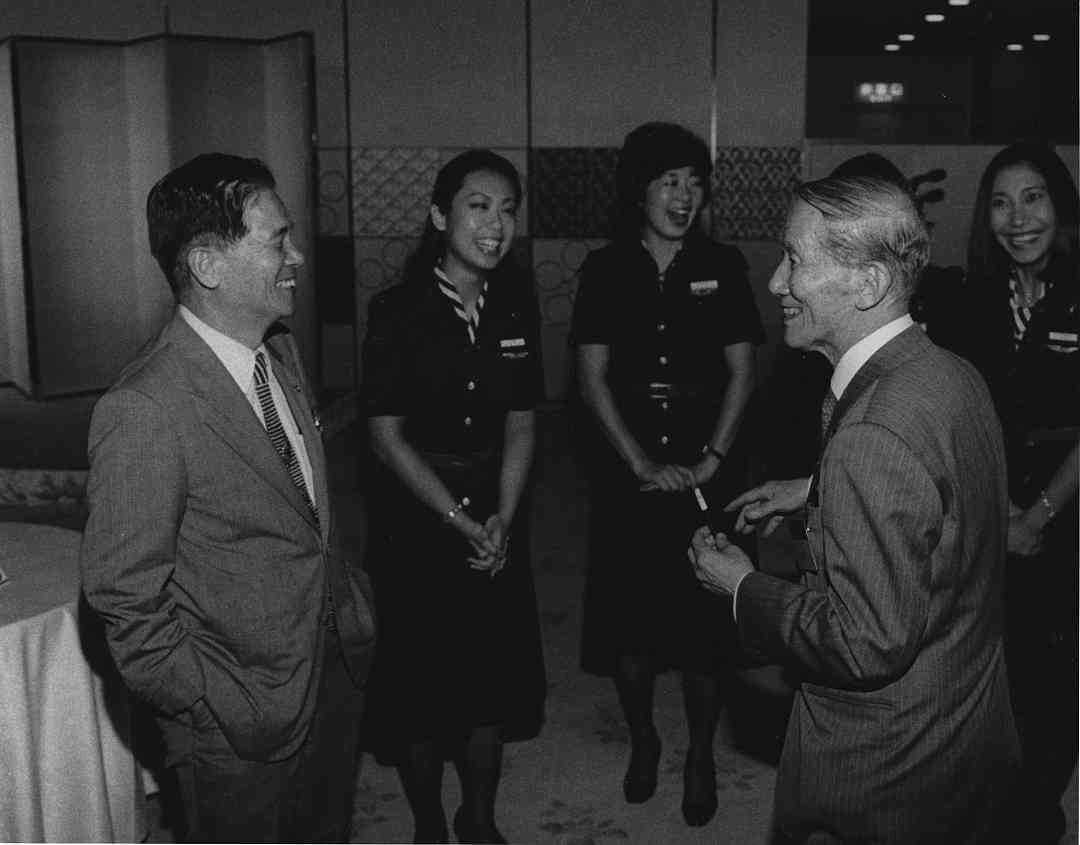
1023, 286
664, 325
451, 377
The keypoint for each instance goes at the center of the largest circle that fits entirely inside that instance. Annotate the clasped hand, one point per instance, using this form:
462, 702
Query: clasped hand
671, 478
490, 542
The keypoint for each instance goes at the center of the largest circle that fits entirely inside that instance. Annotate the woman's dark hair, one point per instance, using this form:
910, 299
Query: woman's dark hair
986, 258
448, 182
649, 151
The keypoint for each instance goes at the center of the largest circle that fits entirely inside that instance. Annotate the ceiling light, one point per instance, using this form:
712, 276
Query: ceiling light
1014, 48
1040, 36
905, 36
891, 48
934, 17
959, 2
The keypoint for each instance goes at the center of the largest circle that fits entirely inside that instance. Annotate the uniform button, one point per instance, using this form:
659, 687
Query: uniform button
663, 360
471, 385
468, 420
664, 405
661, 326
664, 440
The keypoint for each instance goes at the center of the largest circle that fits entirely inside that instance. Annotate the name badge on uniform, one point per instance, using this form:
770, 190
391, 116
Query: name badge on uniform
704, 287
513, 347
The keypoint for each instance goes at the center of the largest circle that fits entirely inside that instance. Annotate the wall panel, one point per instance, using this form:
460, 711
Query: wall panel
423, 75
601, 68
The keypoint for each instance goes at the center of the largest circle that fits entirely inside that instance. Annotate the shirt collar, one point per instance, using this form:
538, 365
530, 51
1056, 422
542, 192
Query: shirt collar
238, 359
852, 361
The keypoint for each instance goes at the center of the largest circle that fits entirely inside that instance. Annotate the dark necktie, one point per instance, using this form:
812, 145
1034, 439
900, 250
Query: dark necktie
828, 405
277, 432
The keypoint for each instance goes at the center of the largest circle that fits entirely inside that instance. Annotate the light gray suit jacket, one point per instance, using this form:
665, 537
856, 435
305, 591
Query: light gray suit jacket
202, 557
902, 729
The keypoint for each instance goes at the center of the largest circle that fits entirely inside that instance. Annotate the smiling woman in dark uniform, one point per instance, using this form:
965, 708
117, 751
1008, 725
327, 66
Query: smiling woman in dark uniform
664, 325
451, 376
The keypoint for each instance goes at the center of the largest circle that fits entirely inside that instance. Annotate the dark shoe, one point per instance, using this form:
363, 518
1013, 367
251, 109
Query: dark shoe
639, 784
465, 831
699, 791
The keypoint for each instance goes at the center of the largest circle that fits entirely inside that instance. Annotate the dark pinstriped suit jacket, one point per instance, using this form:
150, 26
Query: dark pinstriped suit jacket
901, 730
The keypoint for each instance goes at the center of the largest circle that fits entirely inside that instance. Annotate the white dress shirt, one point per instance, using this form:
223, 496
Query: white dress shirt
239, 360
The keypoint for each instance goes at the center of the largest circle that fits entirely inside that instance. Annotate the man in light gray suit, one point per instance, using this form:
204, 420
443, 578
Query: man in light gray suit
901, 730
211, 550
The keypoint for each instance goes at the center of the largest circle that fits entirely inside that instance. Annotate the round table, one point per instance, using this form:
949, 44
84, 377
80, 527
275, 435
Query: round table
68, 770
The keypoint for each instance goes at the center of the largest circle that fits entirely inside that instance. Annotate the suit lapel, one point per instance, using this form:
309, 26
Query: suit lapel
910, 341
225, 410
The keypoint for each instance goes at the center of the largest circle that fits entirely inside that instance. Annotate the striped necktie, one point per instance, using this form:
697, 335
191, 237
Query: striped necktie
277, 432
472, 321
828, 406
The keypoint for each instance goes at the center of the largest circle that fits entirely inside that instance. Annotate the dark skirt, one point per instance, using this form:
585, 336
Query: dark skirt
641, 595
457, 649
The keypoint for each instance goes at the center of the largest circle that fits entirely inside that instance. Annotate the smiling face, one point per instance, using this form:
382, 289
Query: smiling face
672, 202
1022, 216
257, 274
479, 225
817, 294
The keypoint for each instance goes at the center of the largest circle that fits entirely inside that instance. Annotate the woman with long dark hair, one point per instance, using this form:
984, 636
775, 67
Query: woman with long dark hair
451, 377
1023, 286
664, 326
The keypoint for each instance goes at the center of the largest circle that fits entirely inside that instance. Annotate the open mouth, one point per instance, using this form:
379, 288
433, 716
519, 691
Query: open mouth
680, 217
286, 283
790, 313
489, 246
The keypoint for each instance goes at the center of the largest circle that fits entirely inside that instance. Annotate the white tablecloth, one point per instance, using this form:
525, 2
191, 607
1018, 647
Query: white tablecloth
67, 773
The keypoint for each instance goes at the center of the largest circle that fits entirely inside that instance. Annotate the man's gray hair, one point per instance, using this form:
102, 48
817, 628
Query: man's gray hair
871, 220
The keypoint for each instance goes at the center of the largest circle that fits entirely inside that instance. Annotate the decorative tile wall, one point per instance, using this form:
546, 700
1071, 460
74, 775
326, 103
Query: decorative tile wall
573, 191
751, 190
392, 189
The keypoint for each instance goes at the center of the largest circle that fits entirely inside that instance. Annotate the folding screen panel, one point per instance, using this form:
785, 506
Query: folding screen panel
14, 351
96, 124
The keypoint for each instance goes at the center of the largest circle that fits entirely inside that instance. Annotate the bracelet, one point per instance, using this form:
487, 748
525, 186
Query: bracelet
451, 514
709, 449
1051, 511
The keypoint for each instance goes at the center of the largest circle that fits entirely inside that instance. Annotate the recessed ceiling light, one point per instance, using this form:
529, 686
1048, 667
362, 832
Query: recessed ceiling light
934, 17
1014, 48
959, 2
1040, 36
905, 36
891, 48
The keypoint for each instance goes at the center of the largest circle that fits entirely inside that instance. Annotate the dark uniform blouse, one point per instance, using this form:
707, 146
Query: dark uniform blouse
420, 364
666, 335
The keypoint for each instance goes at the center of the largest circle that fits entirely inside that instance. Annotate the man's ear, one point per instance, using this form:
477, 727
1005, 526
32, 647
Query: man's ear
438, 219
202, 262
873, 286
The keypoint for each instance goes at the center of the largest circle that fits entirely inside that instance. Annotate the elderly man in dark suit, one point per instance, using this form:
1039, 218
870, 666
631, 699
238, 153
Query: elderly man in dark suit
211, 550
901, 730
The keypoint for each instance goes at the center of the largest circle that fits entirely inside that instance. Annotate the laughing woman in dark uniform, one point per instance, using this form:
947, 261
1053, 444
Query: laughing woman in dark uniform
451, 376
664, 326
1021, 330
